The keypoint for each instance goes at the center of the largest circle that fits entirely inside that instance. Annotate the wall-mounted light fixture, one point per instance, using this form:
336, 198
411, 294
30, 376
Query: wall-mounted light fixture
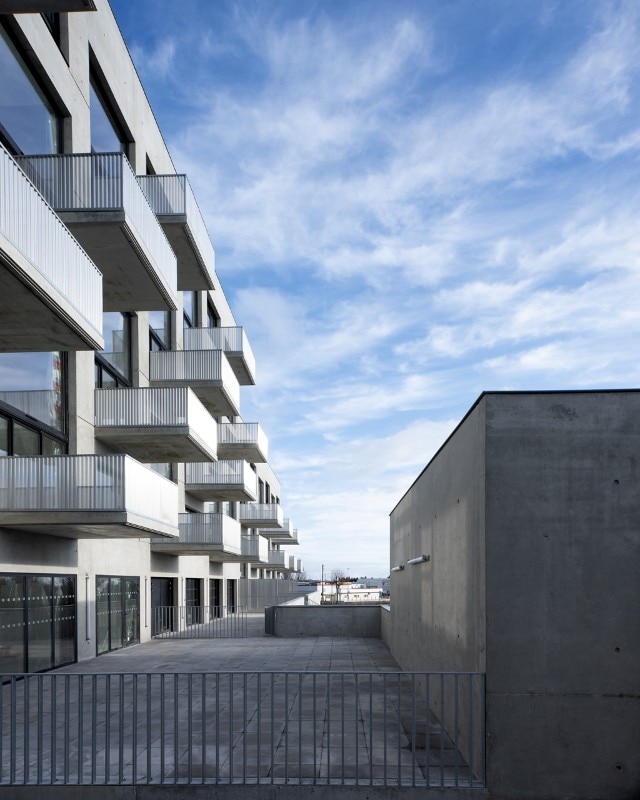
397, 568
419, 559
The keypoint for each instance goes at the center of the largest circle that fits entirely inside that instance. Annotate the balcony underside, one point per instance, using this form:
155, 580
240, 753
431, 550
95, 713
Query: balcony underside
273, 523
212, 492
212, 394
241, 451
27, 295
86, 524
38, 6
158, 444
215, 552
241, 370
192, 273
131, 282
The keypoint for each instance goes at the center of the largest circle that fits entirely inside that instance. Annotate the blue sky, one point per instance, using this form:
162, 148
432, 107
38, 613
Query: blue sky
411, 202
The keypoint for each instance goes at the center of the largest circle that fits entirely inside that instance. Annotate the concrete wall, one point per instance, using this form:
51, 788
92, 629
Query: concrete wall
327, 621
531, 511
563, 594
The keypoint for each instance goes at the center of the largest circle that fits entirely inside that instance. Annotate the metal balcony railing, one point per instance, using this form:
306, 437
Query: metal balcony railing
255, 548
231, 473
52, 251
102, 182
171, 195
246, 435
257, 514
162, 407
193, 367
278, 558
233, 341
393, 729
86, 483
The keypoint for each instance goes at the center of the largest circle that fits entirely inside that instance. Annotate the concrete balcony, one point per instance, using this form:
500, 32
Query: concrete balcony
174, 204
213, 535
233, 342
207, 372
278, 559
244, 440
99, 199
87, 496
156, 425
288, 535
38, 6
260, 515
255, 549
223, 480
44, 274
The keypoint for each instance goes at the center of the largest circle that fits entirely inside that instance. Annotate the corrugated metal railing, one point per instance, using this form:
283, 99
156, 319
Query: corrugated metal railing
227, 473
165, 406
54, 252
320, 728
243, 433
86, 483
171, 195
229, 339
195, 366
199, 622
255, 548
102, 182
260, 513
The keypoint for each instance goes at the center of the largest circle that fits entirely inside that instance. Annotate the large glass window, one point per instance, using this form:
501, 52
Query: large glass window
190, 309
213, 320
35, 385
117, 612
29, 123
159, 330
113, 364
105, 134
37, 622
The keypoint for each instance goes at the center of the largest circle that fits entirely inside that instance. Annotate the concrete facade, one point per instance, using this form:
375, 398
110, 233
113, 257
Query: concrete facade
529, 517
79, 63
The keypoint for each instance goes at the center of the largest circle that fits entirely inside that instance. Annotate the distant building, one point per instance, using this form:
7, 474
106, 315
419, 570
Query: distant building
516, 552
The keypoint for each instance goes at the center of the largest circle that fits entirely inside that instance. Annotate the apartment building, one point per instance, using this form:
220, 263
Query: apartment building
129, 481
515, 553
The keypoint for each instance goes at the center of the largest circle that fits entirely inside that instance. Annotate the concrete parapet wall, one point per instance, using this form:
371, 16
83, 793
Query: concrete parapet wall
327, 621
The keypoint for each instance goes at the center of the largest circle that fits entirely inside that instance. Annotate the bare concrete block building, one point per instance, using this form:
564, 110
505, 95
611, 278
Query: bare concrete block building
516, 552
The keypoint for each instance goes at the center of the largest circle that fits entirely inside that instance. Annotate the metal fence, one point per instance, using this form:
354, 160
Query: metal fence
321, 728
198, 622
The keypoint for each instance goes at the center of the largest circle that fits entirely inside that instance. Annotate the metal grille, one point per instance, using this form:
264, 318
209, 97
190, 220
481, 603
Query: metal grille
363, 728
199, 622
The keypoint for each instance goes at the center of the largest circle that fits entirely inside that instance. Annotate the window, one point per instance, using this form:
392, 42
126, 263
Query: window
37, 622
29, 122
190, 309
107, 135
117, 612
213, 320
159, 330
113, 364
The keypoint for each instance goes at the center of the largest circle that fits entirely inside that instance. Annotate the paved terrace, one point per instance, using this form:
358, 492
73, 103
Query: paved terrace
261, 710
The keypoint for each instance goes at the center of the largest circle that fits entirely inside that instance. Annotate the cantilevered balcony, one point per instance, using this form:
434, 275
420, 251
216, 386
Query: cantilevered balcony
278, 559
234, 343
223, 480
99, 199
260, 515
214, 535
156, 425
174, 204
242, 440
38, 6
278, 535
288, 535
50, 290
255, 549
207, 372
86, 496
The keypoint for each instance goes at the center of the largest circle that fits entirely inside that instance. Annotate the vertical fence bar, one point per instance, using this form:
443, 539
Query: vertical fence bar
134, 732
189, 726
25, 733
244, 731
371, 728
286, 727
231, 674
441, 729
39, 753
342, 709
259, 738
120, 729
148, 710
272, 731
176, 678
384, 726
162, 721
356, 718
315, 727
217, 728
427, 715
203, 732
80, 680
300, 727
107, 752
94, 726
413, 729
399, 730
483, 722
456, 740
